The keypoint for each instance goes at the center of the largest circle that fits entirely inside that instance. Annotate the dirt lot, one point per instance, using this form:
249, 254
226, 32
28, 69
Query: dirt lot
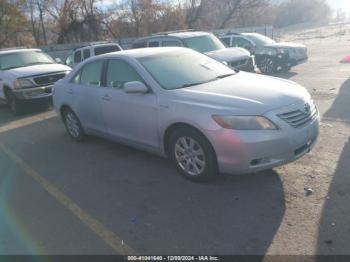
60, 197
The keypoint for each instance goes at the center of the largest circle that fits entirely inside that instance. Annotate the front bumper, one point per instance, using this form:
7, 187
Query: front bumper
33, 93
241, 152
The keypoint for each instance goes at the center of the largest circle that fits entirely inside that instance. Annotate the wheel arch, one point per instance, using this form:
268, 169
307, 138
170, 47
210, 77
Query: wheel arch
6, 88
64, 108
175, 126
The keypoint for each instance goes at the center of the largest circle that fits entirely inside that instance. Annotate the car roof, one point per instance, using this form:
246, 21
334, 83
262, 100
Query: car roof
188, 34
10, 51
95, 45
249, 34
181, 35
142, 52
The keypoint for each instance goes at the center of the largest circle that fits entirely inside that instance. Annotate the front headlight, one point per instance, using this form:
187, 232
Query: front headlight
245, 122
22, 83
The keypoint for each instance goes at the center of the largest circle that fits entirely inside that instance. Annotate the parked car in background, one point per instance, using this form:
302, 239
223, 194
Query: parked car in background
82, 53
27, 75
182, 104
202, 42
270, 56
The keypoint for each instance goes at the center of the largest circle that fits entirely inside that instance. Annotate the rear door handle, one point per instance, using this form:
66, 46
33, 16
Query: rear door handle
70, 91
106, 98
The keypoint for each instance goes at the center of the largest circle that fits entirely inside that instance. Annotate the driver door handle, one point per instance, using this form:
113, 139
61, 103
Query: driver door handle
106, 98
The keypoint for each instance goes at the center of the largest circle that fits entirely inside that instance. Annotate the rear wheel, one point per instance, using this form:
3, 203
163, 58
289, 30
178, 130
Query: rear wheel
267, 66
73, 126
193, 155
14, 104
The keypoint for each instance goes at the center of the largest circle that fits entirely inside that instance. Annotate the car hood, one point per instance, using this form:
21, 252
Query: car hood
245, 94
229, 54
38, 70
285, 45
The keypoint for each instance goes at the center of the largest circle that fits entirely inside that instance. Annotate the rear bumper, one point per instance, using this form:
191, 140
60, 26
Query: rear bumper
34, 93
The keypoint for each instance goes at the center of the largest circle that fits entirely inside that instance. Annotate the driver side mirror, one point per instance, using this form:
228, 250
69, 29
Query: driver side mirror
135, 87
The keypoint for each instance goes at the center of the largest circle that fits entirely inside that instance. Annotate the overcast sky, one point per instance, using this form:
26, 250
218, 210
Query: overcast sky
344, 4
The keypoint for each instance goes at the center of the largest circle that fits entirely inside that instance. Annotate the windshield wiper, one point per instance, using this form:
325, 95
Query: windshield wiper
210, 80
192, 84
224, 76
38, 63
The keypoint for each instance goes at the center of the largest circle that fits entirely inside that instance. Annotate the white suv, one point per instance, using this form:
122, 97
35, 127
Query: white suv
82, 53
27, 75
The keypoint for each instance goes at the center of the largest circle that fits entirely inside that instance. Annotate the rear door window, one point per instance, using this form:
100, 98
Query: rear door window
139, 45
77, 56
171, 43
241, 42
106, 49
91, 74
86, 53
153, 44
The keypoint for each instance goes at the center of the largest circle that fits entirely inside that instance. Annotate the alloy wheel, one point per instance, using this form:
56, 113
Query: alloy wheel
267, 65
72, 125
190, 156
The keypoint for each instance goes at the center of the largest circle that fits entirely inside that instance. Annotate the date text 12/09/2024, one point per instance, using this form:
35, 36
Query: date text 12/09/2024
173, 258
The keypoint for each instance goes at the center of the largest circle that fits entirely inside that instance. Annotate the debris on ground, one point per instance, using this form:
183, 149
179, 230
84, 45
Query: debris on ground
329, 241
346, 59
326, 125
308, 191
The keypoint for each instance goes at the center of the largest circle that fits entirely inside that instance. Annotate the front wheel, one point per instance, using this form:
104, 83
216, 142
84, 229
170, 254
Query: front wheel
193, 155
73, 126
14, 104
267, 66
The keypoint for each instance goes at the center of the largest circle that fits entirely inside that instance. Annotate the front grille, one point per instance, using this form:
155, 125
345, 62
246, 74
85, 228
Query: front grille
299, 118
48, 79
239, 63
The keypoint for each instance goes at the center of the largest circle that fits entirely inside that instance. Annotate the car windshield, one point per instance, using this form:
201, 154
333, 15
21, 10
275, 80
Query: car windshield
203, 44
24, 58
184, 68
260, 40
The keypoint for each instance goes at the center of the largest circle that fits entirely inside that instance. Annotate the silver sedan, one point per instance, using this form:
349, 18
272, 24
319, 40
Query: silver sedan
178, 103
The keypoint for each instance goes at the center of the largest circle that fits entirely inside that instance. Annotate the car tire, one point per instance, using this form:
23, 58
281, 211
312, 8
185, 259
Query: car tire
267, 65
15, 104
73, 126
193, 155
